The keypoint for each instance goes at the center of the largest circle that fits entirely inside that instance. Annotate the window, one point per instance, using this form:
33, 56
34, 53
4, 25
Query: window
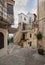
30, 43
30, 35
9, 9
21, 17
24, 18
30, 20
23, 36
23, 26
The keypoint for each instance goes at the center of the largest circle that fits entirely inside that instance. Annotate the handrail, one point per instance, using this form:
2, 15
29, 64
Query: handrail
41, 19
17, 37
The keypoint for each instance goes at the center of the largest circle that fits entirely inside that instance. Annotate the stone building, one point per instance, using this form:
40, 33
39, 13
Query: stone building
41, 19
6, 19
26, 35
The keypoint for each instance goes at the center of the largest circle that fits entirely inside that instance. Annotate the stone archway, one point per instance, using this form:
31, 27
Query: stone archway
1, 40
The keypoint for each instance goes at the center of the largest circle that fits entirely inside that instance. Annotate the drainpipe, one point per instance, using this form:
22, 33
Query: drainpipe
38, 18
38, 9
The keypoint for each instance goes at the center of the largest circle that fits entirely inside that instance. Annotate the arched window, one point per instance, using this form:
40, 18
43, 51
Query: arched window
1, 40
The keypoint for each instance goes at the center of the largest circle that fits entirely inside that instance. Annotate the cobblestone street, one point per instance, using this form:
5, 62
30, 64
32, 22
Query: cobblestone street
22, 56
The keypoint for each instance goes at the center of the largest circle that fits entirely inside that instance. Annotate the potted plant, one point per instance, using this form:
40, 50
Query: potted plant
39, 43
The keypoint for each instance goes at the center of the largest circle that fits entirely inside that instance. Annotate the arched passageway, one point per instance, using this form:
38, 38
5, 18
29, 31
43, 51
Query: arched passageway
1, 40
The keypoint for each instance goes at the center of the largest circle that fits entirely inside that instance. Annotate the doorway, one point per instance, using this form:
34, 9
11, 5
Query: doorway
1, 40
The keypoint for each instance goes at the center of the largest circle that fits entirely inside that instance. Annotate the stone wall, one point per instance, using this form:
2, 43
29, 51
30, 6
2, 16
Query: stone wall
3, 51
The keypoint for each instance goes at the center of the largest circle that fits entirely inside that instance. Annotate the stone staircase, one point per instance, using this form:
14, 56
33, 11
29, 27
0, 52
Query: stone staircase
12, 47
17, 36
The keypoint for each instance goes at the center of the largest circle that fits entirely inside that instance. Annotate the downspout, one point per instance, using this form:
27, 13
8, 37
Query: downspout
38, 18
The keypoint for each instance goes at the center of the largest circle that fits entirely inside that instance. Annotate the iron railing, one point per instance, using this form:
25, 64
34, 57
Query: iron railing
27, 27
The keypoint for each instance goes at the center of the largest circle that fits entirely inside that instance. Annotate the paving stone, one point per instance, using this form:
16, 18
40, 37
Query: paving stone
22, 56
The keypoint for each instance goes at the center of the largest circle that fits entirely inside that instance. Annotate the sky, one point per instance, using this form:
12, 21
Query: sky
24, 6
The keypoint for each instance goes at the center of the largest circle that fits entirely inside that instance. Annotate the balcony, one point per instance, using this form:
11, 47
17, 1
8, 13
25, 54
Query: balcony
4, 16
26, 27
